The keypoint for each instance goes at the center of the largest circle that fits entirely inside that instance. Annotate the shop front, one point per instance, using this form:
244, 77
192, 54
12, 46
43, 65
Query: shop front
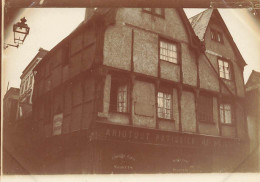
128, 149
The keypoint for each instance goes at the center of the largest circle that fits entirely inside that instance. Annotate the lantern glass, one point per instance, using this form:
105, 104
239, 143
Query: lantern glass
21, 30
19, 37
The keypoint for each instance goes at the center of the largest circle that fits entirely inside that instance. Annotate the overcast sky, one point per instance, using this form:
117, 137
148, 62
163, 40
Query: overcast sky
48, 26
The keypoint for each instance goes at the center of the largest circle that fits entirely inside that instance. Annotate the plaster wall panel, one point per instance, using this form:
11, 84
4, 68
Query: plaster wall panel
76, 43
239, 80
77, 96
65, 73
189, 67
89, 36
119, 118
56, 76
208, 79
230, 85
75, 65
88, 110
144, 96
170, 71
68, 100
145, 53
57, 102
48, 130
240, 121
89, 88
211, 128
188, 115
167, 125
117, 47
171, 25
47, 84
56, 58
66, 124
76, 116
88, 55
228, 131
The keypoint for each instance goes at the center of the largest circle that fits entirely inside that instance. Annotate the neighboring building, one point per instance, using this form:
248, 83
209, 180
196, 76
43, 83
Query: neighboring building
137, 91
253, 118
26, 87
10, 103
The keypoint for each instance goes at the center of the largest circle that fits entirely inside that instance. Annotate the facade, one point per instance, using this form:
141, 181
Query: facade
26, 87
10, 103
141, 91
253, 120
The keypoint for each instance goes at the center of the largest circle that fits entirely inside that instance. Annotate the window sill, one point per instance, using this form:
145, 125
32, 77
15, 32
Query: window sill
164, 119
169, 62
116, 112
226, 124
230, 80
208, 122
153, 14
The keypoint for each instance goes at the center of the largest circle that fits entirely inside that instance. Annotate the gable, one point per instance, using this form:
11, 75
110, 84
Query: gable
201, 25
254, 79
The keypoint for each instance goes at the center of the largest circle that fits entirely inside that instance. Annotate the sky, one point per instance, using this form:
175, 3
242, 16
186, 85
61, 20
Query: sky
48, 26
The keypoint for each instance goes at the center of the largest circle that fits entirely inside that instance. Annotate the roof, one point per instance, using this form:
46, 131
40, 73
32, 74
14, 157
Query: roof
253, 80
42, 52
200, 24
99, 12
11, 92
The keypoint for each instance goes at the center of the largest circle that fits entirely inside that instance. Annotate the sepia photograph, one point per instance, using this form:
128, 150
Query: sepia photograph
121, 90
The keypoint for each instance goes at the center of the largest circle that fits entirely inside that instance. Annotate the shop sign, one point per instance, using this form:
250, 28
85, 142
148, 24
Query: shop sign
123, 162
57, 123
141, 135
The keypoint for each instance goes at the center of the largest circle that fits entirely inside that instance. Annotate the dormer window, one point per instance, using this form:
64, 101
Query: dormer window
224, 69
216, 36
155, 11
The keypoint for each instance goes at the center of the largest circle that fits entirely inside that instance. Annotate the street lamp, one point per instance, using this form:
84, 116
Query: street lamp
21, 30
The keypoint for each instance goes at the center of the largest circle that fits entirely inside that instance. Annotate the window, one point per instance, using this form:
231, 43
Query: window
216, 36
31, 79
119, 97
213, 35
225, 113
168, 51
164, 105
224, 69
155, 11
205, 108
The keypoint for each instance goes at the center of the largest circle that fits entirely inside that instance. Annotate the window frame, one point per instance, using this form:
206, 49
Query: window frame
230, 68
153, 12
169, 41
169, 92
113, 105
210, 115
215, 34
224, 116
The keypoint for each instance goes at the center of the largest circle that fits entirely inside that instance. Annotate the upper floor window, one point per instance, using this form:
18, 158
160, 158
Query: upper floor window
119, 97
205, 108
155, 11
216, 36
224, 69
164, 109
168, 51
225, 113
